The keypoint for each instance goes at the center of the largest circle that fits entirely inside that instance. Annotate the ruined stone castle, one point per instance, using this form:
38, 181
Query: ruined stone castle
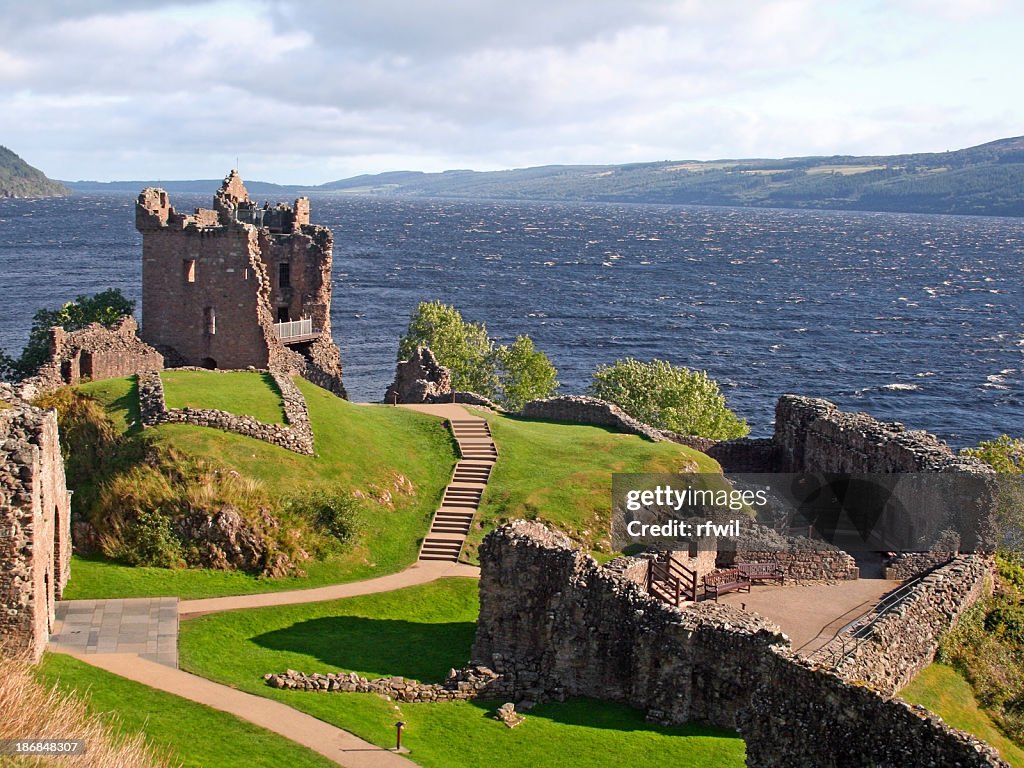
35, 526
237, 286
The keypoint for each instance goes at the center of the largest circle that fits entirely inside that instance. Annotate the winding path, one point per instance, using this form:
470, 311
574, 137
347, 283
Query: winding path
124, 659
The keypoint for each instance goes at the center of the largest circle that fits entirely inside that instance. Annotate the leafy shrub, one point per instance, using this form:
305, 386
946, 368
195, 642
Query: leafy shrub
149, 540
511, 375
668, 397
106, 307
336, 512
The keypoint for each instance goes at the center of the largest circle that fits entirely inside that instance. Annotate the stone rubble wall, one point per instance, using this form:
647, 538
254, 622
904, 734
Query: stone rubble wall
813, 435
582, 409
553, 624
907, 565
798, 565
297, 436
460, 685
35, 526
904, 641
802, 715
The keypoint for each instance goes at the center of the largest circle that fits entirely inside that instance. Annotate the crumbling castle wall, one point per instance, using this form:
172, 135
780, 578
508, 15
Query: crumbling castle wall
35, 527
901, 640
553, 624
90, 354
420, 379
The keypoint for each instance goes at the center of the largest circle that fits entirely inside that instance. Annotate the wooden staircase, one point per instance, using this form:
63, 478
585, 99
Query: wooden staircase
461, 500
670, 581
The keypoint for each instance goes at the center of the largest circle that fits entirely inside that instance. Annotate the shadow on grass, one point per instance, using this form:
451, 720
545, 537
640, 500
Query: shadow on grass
377, 647
606, 715
128, 404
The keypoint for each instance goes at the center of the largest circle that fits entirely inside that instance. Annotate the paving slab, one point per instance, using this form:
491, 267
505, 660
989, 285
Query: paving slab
811, 613
118, 626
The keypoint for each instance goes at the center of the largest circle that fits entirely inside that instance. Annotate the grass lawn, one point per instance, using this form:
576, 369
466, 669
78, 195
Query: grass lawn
369, 449
561, 474
941, 689
199, 736
421, 632
239, 392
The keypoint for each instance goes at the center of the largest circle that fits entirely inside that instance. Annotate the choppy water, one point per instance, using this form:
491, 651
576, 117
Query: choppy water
912, 318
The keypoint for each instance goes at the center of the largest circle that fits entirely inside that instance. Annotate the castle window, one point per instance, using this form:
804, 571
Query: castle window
210, 321
282, 315
284, 275
189, 270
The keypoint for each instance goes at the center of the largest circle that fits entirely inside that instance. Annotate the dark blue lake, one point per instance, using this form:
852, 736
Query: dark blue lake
912, 318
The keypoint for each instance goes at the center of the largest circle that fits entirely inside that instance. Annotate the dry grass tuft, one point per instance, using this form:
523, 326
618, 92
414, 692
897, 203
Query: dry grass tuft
28, 710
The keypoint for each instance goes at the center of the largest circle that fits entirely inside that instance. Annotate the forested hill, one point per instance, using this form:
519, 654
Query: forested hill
19, 179
987, 179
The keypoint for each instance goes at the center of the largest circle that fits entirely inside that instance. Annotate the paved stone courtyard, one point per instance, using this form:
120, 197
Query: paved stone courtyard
144, 626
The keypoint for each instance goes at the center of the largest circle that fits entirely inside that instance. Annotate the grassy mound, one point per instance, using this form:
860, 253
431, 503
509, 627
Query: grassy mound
396, 462
421, 632
196, 735
560, 474
238, 392
945, 692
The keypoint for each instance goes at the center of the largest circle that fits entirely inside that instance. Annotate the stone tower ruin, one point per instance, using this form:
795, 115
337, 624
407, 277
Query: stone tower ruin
237, 286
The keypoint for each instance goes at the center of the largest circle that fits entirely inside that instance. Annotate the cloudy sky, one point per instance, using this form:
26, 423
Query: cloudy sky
311, 91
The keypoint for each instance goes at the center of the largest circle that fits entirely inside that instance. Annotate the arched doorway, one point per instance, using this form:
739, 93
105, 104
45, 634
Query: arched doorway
208, 362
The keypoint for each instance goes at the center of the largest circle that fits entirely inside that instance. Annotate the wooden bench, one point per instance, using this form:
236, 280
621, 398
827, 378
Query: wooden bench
757, 572
721, 582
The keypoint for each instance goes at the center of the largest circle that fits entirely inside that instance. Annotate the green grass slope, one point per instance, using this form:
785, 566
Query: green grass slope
945, 692
561, 474
198, 736
233, 391
376, 451
421, 632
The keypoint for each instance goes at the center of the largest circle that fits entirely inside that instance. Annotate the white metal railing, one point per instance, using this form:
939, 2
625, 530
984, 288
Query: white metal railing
294, 329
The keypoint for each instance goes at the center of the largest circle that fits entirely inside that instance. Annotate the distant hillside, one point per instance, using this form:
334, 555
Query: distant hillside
983, 180
191, 186
19, 179
986, 180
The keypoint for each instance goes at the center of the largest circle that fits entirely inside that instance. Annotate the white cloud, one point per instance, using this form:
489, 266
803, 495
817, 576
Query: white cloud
305, 90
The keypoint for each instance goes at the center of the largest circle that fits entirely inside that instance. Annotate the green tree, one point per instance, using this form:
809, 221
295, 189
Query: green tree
668, 397
1005, 455
106, 307
525, 373
462, 347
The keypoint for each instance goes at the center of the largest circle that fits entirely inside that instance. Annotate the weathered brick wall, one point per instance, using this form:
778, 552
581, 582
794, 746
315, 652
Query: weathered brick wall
553, 624
35, 532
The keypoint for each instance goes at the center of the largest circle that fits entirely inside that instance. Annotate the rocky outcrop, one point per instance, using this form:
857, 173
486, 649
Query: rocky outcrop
227, 541
420, 379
